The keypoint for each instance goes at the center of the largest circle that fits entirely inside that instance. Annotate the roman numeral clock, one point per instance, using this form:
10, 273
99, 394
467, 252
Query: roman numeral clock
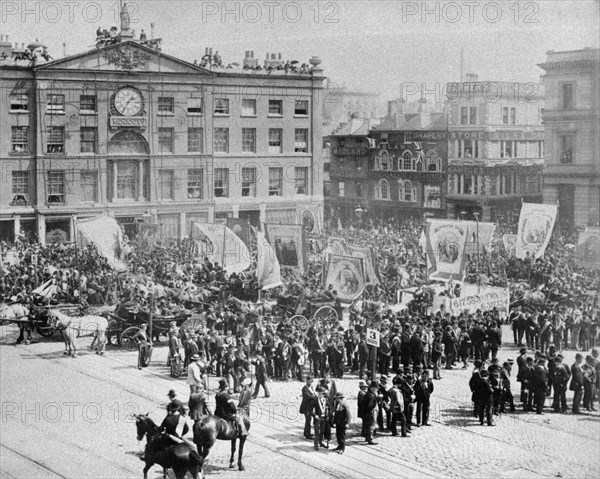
127, 109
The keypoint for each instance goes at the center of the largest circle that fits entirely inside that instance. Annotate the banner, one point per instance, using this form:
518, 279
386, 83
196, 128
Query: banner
588, 248
486, 299
535, 228
486, 234
221, 245
106, 234
347, 276
510, 244
365, 253
337, 246
268, 271
147, 235
46, 290
446, 241
241, 227
311, 218
288, 241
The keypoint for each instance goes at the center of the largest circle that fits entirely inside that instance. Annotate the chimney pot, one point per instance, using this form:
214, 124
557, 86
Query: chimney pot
252, 54
6, 38
280, 55
152, 31
267, 56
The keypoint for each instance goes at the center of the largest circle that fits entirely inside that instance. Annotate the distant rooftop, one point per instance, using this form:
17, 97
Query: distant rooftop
415, 121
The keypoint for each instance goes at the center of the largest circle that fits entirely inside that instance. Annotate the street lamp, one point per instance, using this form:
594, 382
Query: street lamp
359, 212
147, 217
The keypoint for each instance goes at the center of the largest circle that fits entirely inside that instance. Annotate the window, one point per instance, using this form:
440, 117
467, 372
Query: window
464, 115
275, 181
221, 106
249, 140
195, 181
275, 140
87, 104
19, 102
566, 144
275, 107
467, 185
513, 116
166, 184
301, 108
194, 106
468, 148
56, 139
221, 183
327, 189
301, 141
221, 140
89, 186
20, 187
195, 140
508, 149
165, 140
166, 105
88, 139
382, 191
433, 162
56, 187
128, 179
407, 192
248, 182
358, 189
473, 115
341, 188
540, 145
408, 163
248, 107
55, 104
509, 115
301, 180
433, 197
19, 139
567, 96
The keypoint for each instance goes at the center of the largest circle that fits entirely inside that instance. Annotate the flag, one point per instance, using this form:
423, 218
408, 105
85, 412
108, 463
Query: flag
105, 233
536, 223
268, 271
311, 218
486, 234
372, 143
221, 245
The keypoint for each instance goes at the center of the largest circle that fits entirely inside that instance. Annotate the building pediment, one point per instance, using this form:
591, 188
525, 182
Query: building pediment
125, 57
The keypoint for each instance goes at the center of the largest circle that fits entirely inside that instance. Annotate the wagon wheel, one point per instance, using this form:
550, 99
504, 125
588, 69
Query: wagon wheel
192, 325
300, 322
112, 331
44, 330
326, 315
125, 339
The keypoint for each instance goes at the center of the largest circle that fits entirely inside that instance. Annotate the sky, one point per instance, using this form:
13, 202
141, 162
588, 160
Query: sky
373, 46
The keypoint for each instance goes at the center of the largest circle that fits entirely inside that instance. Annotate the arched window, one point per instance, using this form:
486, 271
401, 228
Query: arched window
408, 163
434, 163
383, 161
383, 190
407, 192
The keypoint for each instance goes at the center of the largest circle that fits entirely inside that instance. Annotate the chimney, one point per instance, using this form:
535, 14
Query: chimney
252, 54
152, 30
64, 49
250, 61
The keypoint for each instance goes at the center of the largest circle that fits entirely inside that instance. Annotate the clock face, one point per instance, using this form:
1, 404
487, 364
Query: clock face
128, 102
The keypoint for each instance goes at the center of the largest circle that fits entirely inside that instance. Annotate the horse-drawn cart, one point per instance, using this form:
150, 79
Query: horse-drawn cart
305, 311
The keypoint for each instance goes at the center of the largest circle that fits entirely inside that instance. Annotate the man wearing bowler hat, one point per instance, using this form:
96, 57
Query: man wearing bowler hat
176, 402
342, 418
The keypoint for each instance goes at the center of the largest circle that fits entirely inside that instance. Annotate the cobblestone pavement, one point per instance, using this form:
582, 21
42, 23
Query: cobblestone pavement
64, 417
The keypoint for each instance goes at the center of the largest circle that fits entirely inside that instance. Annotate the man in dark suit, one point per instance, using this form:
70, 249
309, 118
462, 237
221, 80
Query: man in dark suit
494, 335
485, 393
562, 374
397, 408
370, 404
525, 377
308, 395
320, 412
423, 390
539, 384
477, 336
577, 382
360, 403
342, 418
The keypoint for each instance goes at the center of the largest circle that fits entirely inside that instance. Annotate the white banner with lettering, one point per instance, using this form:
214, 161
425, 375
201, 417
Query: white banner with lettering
488, 298
535, 229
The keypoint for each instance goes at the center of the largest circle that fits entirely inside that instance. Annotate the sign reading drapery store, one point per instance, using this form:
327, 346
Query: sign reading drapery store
535, 228
288, 241
347, 276
221, 245
446, 241
588, 248
486, 299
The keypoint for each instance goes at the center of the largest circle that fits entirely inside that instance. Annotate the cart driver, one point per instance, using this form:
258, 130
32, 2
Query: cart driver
143, 342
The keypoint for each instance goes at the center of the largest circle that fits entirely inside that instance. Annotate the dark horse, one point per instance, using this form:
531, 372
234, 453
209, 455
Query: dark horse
209, 428
161, 450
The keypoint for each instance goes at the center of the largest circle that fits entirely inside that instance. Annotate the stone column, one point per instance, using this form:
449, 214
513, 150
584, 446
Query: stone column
16, 227
498, 184
114, 181
461, 186
140, 180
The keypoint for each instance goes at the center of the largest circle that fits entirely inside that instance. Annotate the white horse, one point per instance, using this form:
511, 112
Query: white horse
77, 327
18, 314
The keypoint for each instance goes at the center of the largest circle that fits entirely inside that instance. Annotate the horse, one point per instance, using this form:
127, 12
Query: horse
209, 428
76, 327
529, 298
18, 314
161, 450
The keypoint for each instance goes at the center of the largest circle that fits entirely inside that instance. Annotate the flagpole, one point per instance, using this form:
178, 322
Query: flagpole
223, 252
75, 234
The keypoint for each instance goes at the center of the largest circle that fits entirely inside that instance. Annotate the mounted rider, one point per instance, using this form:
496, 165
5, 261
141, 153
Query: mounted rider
225, 408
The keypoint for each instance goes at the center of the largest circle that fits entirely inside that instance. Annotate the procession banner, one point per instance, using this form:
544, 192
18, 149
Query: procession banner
221, 245
510, 244
311, 218
347, 276
367, 254
486, 299
241, 227
588, 248
288, 241
106, 234
147, 236
336, 245
486, 234
46, 290
446, 241
535, 228
268, 271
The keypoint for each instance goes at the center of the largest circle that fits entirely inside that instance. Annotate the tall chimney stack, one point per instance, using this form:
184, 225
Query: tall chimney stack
152, 30
64, 49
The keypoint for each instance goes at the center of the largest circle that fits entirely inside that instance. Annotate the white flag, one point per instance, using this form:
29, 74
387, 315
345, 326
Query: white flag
268, 271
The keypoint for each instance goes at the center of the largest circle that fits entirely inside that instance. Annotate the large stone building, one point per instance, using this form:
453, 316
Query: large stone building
127, 130
571, 117
495, 148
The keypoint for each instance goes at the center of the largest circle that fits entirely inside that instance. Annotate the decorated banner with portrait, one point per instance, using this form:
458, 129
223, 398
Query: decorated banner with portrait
535, 229
147, 235
347, 276
337, 245
365, 253
105, 233
241, 227
288, 241
311, 217
480, 236
588, 248
446, 241
510, 244
221, 245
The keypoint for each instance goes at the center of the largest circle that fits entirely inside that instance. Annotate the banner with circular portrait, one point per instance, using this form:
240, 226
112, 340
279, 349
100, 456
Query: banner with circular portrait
347, 276
446, 241
310, 217
536, 223
588, 248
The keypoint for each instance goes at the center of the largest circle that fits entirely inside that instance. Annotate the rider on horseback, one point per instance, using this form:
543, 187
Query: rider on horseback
225, 408
175, 426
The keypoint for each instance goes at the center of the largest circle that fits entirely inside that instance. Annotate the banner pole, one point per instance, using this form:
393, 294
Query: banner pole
223, 252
